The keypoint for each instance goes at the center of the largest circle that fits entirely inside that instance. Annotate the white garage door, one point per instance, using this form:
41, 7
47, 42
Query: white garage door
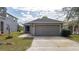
47, 30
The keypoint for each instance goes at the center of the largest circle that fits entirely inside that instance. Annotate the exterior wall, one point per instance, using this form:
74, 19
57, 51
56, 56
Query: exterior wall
33, 27
1, 20
2, 17
9, 21
12, 24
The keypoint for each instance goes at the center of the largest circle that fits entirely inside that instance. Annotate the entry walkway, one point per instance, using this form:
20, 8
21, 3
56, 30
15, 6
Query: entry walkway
25, 36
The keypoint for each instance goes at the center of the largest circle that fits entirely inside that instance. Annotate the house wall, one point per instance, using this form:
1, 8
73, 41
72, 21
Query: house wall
1, 20
32, 29
12, 23
8, 20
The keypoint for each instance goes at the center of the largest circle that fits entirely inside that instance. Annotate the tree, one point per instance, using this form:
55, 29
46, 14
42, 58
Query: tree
72, 13
45, 17
20, 28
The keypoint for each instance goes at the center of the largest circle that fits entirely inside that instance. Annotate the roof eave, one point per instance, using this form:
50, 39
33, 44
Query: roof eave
44, 23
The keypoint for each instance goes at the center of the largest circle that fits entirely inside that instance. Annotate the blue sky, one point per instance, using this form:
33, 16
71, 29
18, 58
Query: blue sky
25, 14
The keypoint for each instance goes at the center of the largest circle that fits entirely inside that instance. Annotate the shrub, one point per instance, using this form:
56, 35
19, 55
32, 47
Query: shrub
9, 37
66, 33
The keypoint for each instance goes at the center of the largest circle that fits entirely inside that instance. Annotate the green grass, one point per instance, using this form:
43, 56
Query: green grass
15, 43
75, 37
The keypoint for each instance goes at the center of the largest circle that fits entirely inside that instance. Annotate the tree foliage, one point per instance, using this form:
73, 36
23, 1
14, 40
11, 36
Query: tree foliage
20, 28
71, 12
45, 17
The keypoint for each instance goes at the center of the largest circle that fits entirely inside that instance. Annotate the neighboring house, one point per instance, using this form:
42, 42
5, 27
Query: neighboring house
7, 21
44, 27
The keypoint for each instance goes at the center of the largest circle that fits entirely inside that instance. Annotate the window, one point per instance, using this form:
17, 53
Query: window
7, 15
15, 20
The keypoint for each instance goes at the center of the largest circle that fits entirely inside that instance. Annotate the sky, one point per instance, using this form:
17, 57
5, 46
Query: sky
28, 10
25, 14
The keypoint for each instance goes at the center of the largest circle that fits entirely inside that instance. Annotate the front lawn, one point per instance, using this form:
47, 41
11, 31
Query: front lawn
74, 37
14, 43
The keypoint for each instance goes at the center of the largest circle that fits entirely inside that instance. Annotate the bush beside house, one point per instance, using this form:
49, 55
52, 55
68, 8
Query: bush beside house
66, 33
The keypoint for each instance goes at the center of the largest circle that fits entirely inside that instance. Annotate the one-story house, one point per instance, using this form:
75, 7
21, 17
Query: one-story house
43, 27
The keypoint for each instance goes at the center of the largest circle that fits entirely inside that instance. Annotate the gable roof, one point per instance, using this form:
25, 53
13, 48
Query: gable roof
11, 15
45, 20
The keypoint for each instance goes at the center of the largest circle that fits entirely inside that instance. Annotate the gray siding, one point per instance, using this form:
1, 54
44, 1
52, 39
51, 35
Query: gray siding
13, 25
9, 21
32, 29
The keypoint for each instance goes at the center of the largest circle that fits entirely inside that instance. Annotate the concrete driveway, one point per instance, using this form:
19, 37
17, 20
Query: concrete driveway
54, 43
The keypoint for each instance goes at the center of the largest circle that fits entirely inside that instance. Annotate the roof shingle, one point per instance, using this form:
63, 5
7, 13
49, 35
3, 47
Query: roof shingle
45, 20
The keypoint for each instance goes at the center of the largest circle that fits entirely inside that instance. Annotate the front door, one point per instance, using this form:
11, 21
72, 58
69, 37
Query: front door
27, 29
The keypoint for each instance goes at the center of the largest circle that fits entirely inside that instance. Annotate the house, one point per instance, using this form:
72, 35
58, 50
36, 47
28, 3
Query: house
7, 21
43, 27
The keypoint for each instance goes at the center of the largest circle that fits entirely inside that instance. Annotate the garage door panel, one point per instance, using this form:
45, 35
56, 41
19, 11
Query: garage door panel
47, 30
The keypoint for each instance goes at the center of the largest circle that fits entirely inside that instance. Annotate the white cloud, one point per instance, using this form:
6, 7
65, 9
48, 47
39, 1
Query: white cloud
29, 17
26, 17
23, 14
37, 8
49, 13
52, 14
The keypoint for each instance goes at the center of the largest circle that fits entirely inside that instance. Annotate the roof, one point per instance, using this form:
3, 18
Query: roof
45, 20
11, 15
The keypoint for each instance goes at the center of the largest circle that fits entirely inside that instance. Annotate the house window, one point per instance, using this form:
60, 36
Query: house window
7, 15
14, 19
